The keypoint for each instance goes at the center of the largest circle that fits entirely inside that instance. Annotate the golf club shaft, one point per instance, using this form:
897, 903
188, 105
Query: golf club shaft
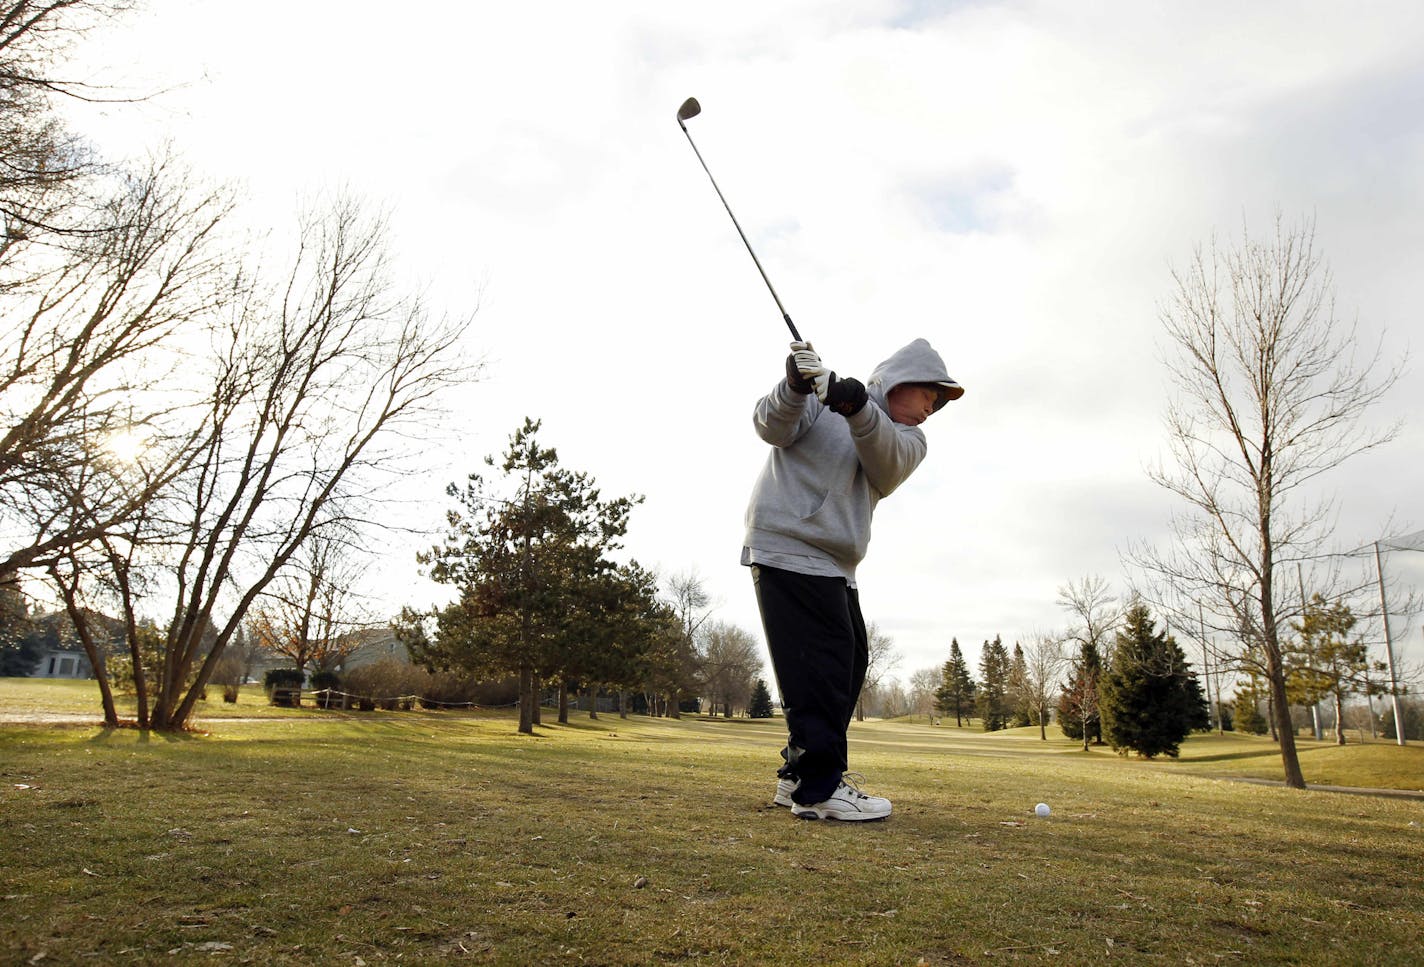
770, 288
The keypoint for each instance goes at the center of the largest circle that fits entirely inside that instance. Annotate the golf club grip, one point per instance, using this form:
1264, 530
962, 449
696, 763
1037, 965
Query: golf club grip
792, 326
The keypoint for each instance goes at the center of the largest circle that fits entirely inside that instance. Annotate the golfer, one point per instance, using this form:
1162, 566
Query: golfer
837, 447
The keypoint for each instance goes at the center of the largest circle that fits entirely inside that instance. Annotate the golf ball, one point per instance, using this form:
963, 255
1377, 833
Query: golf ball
1042, 809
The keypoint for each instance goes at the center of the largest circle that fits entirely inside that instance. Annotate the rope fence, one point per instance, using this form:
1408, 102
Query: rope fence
336, 698
324, 699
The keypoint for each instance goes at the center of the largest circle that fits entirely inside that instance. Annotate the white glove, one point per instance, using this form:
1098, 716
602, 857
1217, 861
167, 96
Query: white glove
808, 363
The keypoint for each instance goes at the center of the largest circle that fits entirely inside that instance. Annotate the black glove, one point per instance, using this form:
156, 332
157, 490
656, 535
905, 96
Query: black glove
844, 395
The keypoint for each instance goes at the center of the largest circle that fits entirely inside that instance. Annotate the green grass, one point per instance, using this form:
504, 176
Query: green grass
324, 837
54, 696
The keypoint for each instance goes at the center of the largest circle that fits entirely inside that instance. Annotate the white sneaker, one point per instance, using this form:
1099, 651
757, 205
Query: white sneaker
784, 789
847, 804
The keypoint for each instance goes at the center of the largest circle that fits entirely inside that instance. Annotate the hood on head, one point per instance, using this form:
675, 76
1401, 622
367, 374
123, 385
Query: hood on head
916, 363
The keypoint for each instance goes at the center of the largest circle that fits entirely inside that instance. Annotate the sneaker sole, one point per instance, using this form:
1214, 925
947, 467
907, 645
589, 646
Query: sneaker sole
843, 817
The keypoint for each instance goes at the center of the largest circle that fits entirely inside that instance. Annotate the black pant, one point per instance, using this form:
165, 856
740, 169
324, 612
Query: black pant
819, 653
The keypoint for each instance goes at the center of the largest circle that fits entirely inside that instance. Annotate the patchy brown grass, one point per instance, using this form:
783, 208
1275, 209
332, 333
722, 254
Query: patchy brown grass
425, 836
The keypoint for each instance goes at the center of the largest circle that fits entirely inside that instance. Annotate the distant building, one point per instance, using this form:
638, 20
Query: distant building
62, 663
60, 655
371, 645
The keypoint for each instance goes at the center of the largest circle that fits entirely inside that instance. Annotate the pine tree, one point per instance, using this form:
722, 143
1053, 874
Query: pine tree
760, 706
1151, 700
1020, 709
992, 701
956, 692
1078, 715
1326, 663
531, 570
1247, 716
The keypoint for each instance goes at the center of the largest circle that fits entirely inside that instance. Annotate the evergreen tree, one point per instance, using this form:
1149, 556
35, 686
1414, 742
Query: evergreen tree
1247, 716
1413, 714
956, 691
19, 645
993, 691
1078, 714
1020, 708
1326, 663
1151, 699
532, 573
760, 706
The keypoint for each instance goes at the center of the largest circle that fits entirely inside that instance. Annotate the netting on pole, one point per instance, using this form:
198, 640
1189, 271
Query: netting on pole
1409, 542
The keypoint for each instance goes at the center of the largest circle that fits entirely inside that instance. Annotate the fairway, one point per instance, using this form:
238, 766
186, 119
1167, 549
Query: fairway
316, 837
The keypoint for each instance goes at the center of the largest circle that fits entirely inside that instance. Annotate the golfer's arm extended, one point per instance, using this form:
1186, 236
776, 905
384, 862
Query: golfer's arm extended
782, 415
888, 453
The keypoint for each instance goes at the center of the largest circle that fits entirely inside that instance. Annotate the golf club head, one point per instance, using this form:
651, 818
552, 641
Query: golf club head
690, 109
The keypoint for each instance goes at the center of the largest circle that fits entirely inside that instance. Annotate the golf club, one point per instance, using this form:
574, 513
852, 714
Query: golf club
690, 109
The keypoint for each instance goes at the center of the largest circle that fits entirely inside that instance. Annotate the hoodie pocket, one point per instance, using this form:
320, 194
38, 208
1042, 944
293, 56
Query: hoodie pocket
840, 527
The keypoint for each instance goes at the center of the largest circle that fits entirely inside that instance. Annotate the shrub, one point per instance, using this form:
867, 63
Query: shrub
382, 683
448, 689
283, 685
282, 678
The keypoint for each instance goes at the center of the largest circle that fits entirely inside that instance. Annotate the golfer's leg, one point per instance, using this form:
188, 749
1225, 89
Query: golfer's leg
860, 663
810, 636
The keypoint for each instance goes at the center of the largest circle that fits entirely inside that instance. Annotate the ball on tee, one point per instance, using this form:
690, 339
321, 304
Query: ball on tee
1042, 809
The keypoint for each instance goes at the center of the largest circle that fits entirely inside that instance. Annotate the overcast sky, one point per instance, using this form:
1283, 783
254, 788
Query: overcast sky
1013, 181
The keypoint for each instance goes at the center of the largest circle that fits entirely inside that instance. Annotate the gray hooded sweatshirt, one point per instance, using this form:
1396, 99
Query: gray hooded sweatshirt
810, 510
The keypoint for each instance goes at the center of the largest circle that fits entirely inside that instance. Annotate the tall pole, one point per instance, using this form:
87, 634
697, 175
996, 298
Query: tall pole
1389, 652
1206, 671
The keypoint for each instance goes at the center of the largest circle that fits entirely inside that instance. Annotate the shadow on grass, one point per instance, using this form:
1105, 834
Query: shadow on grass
106, 733
1231, 756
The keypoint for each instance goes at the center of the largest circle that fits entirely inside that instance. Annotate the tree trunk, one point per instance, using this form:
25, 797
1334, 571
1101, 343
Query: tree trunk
622, 704
86, 639
140, 674
526, 699
673, 711
1339, 719
1281, 724
106, 693
563, 702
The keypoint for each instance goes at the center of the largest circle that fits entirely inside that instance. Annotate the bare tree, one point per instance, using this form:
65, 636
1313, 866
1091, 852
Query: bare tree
90, 437
693, 606
883, 660
1094, 610
729, 666
309, 613
924, 682
1037, 683
1270, 396
312, 393
1095, 613
43, 166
